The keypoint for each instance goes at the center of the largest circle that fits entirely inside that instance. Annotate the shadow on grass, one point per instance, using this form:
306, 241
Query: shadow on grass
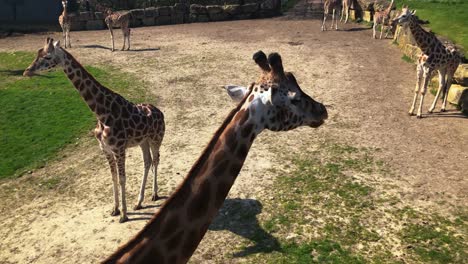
108, 48
448, 114
12, 72
239, 217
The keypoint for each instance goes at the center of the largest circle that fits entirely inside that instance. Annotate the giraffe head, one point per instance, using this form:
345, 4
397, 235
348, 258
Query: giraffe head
47, 58
276, 102
405, 16
64, 4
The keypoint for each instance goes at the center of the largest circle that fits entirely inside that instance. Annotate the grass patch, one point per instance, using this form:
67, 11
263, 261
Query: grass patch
288, 5
325, 211
407, 59
447, 17
40, 115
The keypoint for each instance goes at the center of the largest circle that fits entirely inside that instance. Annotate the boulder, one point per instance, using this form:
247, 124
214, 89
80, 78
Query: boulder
180, 8
95, 25
177, 19
232, 2
198, 9
163, 20
232, 9
85, 16
148, 21
214, 9
249, 8
99, 15
151, 12
164, 10
219, 16
138, 13
461, 75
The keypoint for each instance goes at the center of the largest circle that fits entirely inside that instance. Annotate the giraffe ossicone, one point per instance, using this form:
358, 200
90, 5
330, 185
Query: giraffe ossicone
120, 123
435, 57
274, 102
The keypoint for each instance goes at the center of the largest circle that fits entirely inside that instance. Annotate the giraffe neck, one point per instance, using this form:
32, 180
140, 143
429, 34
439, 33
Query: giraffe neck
173, 234
426, 41
389, 8
101, 100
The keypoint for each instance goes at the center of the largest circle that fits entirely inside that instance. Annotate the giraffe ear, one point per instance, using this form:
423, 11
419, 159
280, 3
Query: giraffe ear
57, 43
261, 60
413, 12
236, 92
276, 64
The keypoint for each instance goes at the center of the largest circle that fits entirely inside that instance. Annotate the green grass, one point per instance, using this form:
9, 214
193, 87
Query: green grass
322, 213
41, 115
447, 17
407, 59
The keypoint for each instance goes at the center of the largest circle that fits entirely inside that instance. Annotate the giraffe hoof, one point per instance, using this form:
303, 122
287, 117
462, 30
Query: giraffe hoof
419, 116
115, 212
123, 219
155, 197
138, 207
442, 110
411, 114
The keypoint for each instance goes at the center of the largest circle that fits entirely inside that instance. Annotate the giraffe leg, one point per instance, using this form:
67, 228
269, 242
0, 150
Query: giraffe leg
374, 30
333, 19
347, 14
64, 36
419, 75
441, 87
342, 12
382, 28
120, 157
426, 78
128, 40
155, 151
124, 33
323, 23
68, 38
147, 161
113, 168
448, 83
112, 36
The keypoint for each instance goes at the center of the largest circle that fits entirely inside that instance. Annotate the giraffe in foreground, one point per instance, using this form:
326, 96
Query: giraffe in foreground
119, 19
120, 123
276, 103
333, 6
435, 57
382, 18
65, 24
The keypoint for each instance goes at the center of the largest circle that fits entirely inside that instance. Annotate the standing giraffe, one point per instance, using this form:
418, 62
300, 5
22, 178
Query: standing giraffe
120, 123
331, 5
65, 24
435, 57
345, 6
119, 19
276, 103
382, 18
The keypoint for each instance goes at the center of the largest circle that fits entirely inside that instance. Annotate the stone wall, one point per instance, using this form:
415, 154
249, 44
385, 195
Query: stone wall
182, 12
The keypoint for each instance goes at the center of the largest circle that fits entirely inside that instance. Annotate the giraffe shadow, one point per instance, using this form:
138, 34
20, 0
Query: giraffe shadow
96, 47
12, 72
355, 29
108, 48
239, 217
447, 114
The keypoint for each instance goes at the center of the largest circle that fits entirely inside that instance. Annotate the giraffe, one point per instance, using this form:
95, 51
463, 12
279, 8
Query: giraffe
382, 18
120, 123
118, 19
64, 21
275, 102
435, 57
345, 6
331, 5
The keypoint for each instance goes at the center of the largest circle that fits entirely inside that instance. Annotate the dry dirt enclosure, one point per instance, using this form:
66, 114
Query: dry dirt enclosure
363, 82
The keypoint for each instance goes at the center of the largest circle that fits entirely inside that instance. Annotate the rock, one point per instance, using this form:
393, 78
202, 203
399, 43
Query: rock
203, 18
138, 13
148, 21
455, 95
253, 2
232, 9
95, 25
219, 16
85, 16
198, 9
461, 75
181, 8
99, 15
214, 9
249, 8
232, 2
163, 20
164, 10
177, 19
151, 12
271, 5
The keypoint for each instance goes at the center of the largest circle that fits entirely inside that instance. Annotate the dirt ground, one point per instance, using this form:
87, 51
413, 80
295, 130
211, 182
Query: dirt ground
365, 84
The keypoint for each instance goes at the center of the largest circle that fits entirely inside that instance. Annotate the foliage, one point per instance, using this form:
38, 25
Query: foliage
42, 114
446, 17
